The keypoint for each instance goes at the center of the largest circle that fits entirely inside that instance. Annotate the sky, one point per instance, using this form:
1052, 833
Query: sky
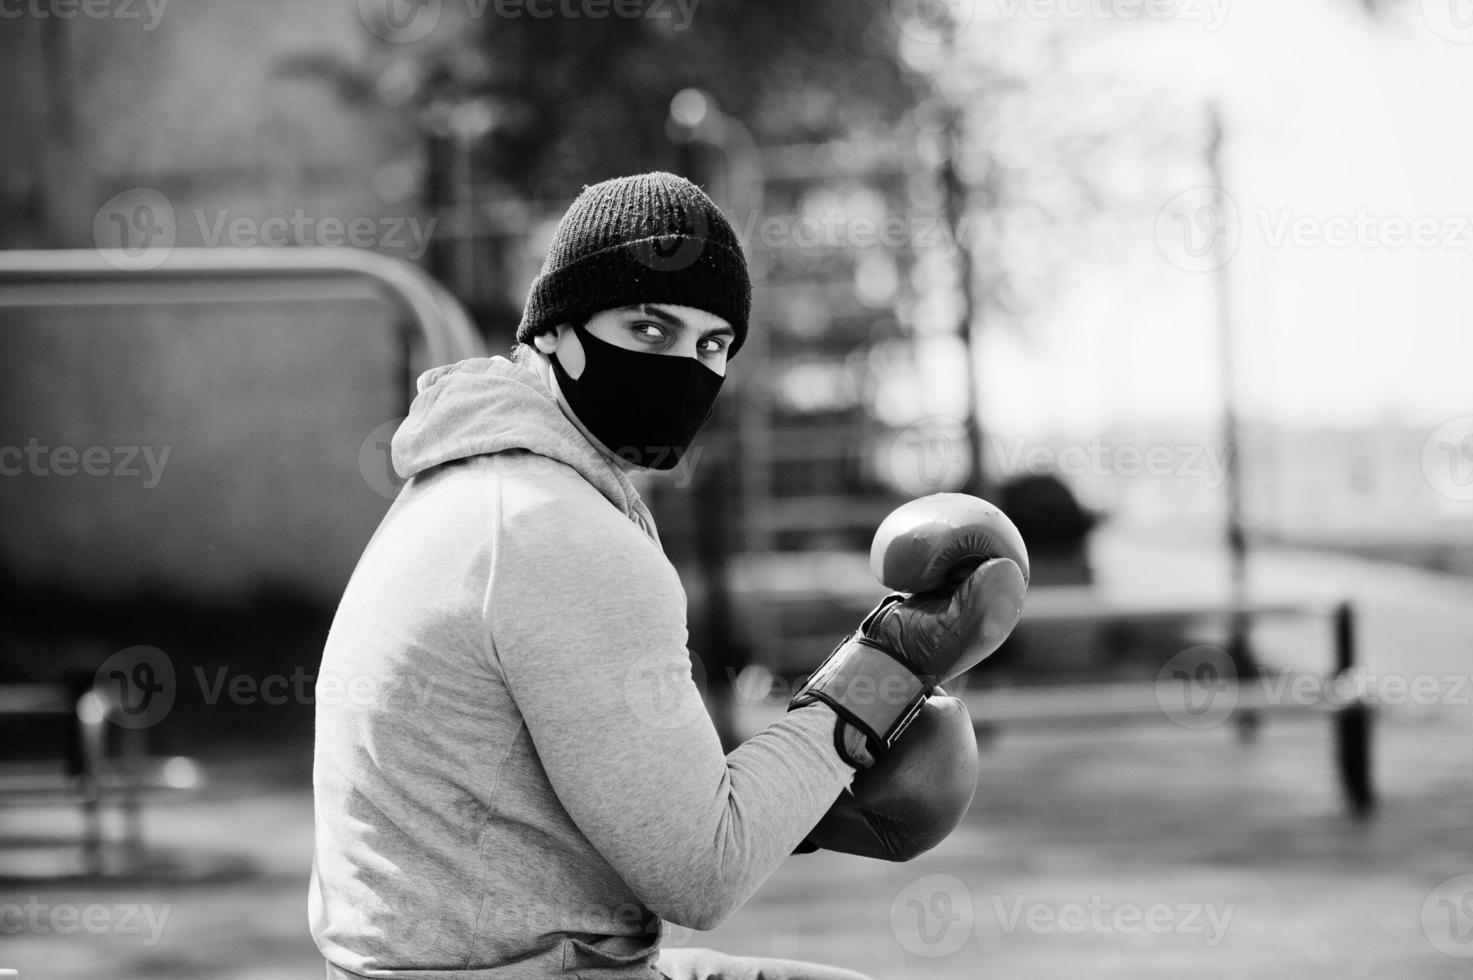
1348, 157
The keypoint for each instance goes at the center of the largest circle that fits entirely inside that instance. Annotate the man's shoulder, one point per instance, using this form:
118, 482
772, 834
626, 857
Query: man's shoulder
550, 501
532, 483
557, 529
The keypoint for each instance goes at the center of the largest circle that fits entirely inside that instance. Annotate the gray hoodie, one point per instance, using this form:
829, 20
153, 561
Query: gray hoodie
515, 775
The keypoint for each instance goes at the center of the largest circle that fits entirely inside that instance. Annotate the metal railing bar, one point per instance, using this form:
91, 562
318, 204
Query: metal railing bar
449, 334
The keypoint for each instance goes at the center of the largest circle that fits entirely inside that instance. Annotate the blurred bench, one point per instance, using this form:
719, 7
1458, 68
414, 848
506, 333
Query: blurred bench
1250, 691
89, 776
804, 614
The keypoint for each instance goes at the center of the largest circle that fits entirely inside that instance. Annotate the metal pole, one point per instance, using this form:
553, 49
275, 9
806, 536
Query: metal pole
717, 510
447, 330
1237, 543
1354, 724
954, 191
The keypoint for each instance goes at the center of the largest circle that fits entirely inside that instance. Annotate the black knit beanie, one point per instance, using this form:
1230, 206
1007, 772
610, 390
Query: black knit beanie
652, 238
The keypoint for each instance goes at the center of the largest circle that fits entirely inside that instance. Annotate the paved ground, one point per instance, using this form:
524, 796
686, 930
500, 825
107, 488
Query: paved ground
1143, 851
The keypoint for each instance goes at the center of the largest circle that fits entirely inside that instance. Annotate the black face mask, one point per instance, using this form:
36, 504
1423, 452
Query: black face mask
645, 408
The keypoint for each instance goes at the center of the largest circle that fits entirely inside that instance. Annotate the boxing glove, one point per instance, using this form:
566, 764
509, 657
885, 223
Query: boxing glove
929, 541
913, 797
971, 562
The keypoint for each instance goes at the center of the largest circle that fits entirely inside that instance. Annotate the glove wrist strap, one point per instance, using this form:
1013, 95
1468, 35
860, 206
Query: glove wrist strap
869, 687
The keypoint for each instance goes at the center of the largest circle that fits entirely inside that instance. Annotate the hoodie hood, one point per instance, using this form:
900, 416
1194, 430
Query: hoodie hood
487, 405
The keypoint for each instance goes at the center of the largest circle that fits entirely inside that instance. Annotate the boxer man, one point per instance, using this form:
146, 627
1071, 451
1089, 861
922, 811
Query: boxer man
515, 776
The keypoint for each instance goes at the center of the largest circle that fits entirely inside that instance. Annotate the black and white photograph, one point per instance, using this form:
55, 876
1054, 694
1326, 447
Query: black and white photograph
736, 489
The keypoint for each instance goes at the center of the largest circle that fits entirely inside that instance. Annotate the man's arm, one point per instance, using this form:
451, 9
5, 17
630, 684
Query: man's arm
587, 621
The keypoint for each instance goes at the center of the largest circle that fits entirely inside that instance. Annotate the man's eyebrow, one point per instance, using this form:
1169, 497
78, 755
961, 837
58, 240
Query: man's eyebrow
670, 319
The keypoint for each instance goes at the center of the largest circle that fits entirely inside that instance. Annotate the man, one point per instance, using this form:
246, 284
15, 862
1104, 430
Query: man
517, 777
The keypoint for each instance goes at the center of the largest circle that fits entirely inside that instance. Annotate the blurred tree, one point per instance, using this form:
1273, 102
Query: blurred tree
553, 103
792, 72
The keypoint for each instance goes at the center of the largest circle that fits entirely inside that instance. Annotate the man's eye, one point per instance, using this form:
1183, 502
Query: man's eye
714, 345
648, 331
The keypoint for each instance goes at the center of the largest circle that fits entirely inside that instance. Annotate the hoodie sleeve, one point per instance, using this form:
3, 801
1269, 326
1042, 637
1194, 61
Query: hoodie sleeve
586, 619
